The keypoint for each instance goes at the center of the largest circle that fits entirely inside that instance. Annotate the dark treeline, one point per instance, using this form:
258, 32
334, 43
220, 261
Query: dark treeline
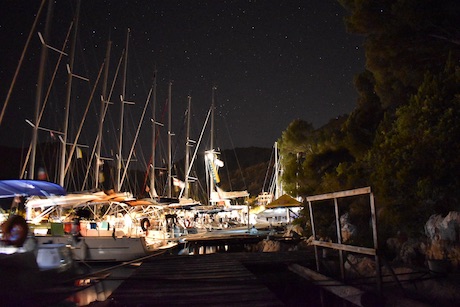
402, 138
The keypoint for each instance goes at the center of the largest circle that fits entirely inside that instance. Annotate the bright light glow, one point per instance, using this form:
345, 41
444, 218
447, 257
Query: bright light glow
209, 155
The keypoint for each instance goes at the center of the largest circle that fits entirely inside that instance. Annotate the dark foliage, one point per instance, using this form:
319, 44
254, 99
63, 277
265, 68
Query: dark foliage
402, 138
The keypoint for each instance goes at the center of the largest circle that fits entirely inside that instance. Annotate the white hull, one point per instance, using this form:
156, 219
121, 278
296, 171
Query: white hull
103, 248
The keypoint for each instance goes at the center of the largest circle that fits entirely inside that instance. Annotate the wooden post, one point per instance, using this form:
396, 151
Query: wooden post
313, 231
376, 243
339, 238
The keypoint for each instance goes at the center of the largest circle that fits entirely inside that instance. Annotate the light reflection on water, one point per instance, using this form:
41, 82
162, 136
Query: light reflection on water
109, 277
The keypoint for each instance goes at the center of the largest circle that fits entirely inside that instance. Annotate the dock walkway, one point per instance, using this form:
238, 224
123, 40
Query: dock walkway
203, 280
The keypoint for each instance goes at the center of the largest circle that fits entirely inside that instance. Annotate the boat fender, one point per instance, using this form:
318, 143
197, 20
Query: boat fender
145, 224
15, 231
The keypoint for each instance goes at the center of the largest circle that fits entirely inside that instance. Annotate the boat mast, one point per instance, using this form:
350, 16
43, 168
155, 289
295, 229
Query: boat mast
203, 130
69, 93
13, 82
169, 185
212, 117
131, 152
152, 172
38, 96
123, 97
187, 146
211, 181
104, 100
277, 193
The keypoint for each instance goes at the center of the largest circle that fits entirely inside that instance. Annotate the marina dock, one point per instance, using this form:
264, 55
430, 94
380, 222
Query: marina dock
222, 279
222, 268
222, 241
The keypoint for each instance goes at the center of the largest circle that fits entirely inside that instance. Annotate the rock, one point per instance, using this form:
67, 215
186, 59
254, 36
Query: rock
447, 228
360, 266
450, 227
453, 254
436, 249
348, 230
444, 238
412, 253
293, 231
270, 246
432, 226
264, 246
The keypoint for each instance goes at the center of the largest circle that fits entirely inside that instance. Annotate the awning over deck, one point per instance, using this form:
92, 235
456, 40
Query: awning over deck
283, 202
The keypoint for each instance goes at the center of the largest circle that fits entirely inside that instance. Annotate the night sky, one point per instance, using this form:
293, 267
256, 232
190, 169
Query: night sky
272, 62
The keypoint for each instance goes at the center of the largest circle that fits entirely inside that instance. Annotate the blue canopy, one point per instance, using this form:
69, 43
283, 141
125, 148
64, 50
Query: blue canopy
12, 188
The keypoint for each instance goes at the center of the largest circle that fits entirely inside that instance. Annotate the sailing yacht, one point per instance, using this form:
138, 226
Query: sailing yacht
220, 200
278, 208
99, 226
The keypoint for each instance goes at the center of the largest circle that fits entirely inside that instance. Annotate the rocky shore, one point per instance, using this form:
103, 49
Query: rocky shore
415, 272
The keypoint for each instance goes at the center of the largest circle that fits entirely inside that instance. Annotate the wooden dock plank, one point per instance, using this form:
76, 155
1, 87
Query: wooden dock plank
205, 280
